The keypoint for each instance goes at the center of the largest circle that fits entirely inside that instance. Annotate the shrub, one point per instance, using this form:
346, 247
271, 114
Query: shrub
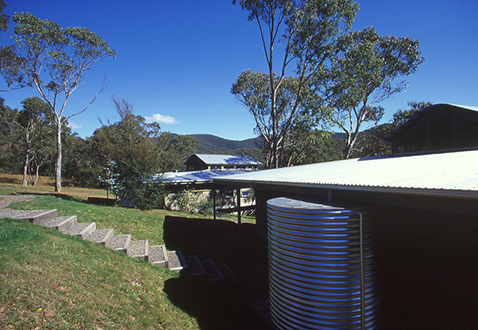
149, 195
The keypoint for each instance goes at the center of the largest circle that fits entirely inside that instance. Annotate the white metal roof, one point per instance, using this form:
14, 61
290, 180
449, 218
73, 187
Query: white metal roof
202, 176
455, 172
213, 159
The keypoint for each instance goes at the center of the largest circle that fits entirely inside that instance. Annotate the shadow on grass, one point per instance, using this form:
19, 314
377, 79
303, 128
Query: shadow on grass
10, 180
59, 195
223, 304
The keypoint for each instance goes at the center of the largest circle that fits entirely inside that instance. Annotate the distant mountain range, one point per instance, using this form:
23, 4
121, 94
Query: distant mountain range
211, 144
208, 144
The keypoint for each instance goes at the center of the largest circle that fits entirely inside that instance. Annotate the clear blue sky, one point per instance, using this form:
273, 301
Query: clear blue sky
177, 59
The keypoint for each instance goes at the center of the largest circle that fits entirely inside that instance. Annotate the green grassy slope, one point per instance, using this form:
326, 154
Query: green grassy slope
53, 281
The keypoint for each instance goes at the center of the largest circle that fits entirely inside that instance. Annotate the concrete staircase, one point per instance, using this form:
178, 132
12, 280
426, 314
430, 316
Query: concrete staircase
156, 254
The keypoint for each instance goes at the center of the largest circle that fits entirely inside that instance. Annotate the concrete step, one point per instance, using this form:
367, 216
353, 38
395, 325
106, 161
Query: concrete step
101, 236
39, 217
62, 224
158, 255
195, 267
213, 273
176, 261
119, 242
228, 274
82, 229
139, 249
262, 307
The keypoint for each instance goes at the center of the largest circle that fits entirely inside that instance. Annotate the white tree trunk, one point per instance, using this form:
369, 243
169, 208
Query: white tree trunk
58, 157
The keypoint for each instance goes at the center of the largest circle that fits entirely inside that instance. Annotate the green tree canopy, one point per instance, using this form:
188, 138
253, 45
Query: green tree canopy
372, 141
307, 32
54, 61
177, 150
132, 152
362, 75
10, 63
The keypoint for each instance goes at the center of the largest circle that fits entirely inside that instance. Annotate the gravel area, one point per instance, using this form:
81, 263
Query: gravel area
18, 214
5, 212
7, 200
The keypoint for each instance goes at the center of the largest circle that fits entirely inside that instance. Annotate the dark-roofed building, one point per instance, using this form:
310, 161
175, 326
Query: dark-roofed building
197, 162
422, 211
438, 127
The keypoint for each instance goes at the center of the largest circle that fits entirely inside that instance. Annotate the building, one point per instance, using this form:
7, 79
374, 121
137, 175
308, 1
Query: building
438, 127
198, 162
200, 188
197, 180
422, 210
425, 222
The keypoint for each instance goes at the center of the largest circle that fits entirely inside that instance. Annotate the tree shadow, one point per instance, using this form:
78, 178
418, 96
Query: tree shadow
224, 304
59, 195
10, 180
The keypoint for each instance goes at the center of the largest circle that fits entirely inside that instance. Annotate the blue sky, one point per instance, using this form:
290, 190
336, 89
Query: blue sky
177, 59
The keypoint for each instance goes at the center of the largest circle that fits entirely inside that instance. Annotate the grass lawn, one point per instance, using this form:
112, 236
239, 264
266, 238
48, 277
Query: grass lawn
49, 280
12, 183
72, 201
53, 281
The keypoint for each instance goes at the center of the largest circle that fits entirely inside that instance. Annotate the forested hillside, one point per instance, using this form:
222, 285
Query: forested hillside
211, 144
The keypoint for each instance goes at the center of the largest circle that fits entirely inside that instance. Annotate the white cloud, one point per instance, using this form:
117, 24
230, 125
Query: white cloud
74, 125
158, 118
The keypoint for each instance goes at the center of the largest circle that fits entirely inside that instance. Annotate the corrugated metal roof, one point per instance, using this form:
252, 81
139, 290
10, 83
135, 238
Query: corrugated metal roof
457, 171
196, 176
212, 159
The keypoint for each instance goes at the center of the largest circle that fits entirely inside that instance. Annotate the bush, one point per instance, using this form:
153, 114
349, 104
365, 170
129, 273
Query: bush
192, 203
149, 195
206, 207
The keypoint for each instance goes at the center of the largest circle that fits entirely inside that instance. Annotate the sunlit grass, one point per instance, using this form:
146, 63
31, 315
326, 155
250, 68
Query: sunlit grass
13, 184
53, 281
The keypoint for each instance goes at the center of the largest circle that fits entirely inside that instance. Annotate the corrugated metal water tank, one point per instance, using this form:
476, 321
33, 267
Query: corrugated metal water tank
321, 267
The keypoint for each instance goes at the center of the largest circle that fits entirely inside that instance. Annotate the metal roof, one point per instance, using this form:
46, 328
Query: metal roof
212, 159
203, 176
455, 172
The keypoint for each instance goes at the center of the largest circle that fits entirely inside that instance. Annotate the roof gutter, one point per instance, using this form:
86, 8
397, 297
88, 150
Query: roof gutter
469, 194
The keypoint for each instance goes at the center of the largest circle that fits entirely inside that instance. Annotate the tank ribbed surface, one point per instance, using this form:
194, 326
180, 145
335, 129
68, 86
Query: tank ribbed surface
321, 269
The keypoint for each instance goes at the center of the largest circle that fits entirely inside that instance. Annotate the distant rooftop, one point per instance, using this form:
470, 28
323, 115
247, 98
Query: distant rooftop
203, 176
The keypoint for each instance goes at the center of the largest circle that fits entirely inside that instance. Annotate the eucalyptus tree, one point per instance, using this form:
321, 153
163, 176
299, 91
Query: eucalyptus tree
35, 123
372, 142
363, 75
54, 60
253, 90
10, 63
299, 37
